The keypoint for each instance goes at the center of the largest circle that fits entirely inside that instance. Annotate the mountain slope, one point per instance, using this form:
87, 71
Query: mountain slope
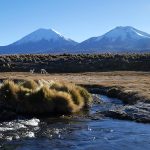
40, 41
120, 39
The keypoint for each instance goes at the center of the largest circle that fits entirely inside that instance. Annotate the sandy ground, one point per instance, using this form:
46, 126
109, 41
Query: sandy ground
135, 81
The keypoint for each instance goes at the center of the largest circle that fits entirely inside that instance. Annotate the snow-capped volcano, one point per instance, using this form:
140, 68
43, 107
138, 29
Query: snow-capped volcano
42, 34
124, 33
118, 39
40, 41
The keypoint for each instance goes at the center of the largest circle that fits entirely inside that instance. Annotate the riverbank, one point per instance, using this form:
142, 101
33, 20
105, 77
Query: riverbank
130, 82
133, 88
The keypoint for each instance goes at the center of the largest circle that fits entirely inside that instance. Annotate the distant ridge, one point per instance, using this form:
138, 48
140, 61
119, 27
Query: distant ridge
120, 39
39, 41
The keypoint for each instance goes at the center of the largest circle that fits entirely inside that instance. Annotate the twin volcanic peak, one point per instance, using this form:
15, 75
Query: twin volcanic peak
119, 39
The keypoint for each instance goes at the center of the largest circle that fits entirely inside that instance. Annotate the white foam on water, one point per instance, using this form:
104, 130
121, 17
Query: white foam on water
19, 126
10, 126
9, 138
6, 129
31, 122
30, 135
56, 131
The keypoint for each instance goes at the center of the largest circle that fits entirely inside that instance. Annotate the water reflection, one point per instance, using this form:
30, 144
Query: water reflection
75, 133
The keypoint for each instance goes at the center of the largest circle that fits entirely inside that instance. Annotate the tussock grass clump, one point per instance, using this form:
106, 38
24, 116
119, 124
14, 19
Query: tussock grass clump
86, 95
79, 95
9, 91
30, 84
44, 97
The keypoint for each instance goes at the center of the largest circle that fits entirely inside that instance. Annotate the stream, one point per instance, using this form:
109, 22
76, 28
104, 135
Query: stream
76, 133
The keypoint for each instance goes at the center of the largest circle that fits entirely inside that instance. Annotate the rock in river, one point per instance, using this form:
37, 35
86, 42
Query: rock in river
139, 112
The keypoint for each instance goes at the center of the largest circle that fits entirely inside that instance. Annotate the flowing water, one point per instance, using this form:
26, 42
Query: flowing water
77, 133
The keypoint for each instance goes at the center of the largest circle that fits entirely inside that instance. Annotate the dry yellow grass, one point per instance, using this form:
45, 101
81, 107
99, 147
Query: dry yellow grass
131, 81
43, 97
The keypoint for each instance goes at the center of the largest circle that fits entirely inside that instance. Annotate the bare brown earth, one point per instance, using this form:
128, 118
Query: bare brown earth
130, 81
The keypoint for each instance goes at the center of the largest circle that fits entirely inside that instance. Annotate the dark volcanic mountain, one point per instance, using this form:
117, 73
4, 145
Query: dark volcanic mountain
120, 39
40, 41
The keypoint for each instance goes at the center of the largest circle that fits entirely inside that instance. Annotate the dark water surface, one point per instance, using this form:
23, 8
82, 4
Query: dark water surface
78, 134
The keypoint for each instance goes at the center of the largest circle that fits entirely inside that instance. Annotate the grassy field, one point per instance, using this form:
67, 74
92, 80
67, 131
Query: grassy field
137, 83
68, 63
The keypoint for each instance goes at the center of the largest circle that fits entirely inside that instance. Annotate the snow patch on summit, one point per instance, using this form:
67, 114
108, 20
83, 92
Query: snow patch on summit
123, 33
141, 34
41, 34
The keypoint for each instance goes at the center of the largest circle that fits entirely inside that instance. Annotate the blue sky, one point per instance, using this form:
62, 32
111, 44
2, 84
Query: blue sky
76, 19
